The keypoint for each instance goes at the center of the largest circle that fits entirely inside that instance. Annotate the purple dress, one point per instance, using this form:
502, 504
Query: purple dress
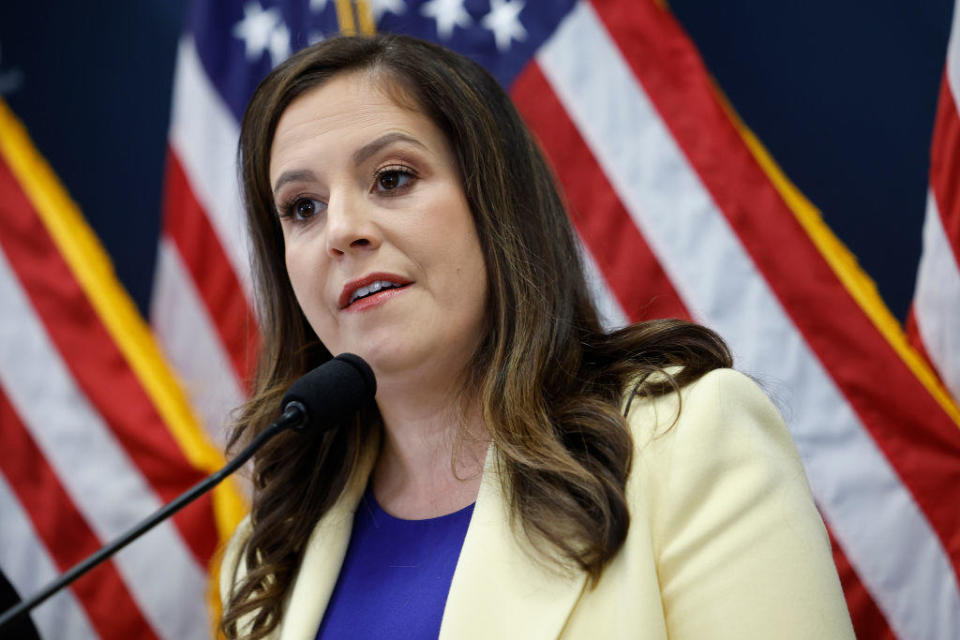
395, 576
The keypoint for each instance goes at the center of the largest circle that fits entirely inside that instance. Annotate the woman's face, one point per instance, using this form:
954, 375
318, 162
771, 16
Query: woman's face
380, 245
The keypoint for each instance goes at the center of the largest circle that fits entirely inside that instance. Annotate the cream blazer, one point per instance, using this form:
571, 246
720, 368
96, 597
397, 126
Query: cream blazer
724, 542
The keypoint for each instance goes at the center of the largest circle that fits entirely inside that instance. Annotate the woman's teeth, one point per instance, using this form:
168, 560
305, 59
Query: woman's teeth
372, 288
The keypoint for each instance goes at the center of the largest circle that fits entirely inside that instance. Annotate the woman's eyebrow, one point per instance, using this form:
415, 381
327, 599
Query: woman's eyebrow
296, 175
359, 156
371, 148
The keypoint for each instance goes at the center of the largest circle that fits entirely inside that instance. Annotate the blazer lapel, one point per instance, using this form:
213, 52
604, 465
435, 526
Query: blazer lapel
500, 588
323, 557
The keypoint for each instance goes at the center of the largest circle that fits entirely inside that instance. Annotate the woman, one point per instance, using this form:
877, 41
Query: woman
583, 484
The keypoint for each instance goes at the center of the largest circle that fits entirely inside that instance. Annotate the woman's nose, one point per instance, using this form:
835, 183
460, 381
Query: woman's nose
350, 227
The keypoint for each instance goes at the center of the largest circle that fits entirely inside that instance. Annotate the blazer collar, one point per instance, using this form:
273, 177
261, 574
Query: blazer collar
501, 588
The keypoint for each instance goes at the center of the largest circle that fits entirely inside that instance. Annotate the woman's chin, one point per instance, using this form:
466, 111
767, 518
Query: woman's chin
390, 360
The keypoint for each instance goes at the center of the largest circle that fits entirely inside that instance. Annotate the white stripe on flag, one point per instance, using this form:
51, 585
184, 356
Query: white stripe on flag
182, 324
29, 567
204, 135
937, 299
871, 513
96, 473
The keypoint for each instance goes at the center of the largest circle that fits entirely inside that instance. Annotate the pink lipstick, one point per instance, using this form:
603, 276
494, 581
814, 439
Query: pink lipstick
371, 290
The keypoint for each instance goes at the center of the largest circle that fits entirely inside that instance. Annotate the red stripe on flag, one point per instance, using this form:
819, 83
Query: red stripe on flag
629, 267
64, 532
97, 364
187, 223
917, 436
945, 166
868, 620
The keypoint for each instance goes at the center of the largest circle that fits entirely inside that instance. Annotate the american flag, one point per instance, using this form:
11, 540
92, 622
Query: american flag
96, 433
680, 210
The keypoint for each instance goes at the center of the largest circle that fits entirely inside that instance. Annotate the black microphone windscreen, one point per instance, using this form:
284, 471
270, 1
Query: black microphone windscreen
333, 391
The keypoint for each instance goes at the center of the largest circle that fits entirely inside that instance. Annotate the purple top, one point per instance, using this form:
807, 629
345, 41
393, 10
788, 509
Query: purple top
395, 576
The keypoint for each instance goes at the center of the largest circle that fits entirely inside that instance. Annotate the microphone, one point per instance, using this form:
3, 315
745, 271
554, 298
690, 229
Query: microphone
319, 400
331, 392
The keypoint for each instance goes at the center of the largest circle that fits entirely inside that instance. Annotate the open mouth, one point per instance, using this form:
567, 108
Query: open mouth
372, 286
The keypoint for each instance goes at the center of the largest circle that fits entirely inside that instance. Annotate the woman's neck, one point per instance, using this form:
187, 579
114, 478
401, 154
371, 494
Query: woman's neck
432, 455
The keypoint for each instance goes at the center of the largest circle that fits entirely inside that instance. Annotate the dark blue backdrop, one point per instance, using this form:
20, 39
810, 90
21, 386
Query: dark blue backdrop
843, 93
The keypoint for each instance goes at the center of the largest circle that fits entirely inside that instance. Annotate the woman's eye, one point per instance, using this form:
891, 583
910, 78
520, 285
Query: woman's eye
303, 209
393, 179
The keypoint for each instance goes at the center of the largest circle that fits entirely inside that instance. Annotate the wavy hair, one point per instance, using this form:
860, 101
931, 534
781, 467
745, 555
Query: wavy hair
549, 379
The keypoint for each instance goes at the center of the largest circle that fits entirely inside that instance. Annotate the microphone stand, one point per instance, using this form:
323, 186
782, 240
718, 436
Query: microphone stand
294, 417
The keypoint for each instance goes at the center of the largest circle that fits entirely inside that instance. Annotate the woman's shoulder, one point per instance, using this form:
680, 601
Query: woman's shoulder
727, 510
730, 381
722, 399
720, 432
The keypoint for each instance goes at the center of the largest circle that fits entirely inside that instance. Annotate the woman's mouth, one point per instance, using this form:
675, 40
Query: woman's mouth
371, 290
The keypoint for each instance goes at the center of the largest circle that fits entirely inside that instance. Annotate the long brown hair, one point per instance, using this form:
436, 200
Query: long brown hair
549, 378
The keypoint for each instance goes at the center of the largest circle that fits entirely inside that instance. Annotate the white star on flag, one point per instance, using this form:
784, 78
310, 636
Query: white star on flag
503, 20
379, 7
318, 5
448, 14
263, 30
